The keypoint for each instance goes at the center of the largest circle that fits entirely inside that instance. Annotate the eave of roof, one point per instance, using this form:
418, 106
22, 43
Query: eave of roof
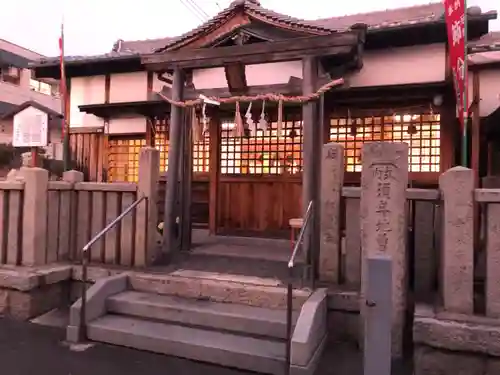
28, 104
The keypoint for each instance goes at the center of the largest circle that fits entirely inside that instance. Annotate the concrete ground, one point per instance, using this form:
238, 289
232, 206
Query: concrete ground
27, 349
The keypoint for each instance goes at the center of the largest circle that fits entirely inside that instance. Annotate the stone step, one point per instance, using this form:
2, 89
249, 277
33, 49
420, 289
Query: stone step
248, 353
220, 287
201, 312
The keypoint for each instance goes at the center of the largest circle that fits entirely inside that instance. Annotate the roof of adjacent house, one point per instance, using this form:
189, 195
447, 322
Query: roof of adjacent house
485, 50
380, 20
16, 109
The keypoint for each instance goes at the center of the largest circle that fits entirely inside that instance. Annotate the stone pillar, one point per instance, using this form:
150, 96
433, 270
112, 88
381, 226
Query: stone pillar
73, 177
332, 179
147, 212
383, 223
34, 242
457, 258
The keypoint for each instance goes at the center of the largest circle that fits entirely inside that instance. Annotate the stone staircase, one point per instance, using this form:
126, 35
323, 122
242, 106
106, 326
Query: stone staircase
228, 320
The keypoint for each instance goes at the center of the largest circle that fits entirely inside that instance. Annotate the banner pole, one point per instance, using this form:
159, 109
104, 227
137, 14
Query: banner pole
465, 141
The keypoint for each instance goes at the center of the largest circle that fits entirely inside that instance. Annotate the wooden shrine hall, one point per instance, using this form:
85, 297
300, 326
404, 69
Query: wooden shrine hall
247, 159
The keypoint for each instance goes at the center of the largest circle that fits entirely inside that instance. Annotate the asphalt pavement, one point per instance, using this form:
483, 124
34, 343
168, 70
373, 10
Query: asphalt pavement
31, 349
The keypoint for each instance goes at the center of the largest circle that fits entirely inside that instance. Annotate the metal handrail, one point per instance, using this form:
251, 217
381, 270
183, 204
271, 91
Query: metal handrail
86, 260
289, 297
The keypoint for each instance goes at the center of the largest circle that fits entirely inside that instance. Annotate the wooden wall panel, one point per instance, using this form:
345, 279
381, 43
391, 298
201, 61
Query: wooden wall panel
88, 155
199, 203
259, 206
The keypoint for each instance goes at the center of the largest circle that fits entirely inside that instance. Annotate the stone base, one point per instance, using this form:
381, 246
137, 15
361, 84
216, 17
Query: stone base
26, 292
343, 316
27, 305
432, 361
455, 344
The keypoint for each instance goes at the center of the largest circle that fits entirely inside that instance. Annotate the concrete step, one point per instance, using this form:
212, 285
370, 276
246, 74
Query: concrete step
219, 287
245, 319
224, 349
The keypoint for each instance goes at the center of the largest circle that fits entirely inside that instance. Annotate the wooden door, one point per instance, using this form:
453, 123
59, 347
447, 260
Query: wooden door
260, 185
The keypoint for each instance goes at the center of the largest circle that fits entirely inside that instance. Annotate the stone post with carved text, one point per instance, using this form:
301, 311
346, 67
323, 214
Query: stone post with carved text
332, 178
383, 223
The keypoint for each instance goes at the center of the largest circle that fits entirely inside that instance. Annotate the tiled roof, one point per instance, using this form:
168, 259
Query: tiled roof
385, 19
492, 39
113, 55
485, 50
140, 46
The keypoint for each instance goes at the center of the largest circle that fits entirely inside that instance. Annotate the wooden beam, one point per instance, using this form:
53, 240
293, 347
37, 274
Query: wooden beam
236, 78
296, 49
170, 231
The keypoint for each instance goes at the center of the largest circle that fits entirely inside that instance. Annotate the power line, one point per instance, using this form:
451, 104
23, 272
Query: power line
198, 12
198, 8
193, 11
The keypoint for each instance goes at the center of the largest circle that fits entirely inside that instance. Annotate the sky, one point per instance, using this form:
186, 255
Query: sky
93, 26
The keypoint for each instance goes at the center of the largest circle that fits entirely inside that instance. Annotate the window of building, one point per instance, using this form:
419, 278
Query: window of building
41, 87
10, 74
161, 142
420, 131
266, 152
201, 154
123, 158
201, 150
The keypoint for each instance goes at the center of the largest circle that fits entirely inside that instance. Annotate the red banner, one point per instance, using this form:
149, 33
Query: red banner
455, 15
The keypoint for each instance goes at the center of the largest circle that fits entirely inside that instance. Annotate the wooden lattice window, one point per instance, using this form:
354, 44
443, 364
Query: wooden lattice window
420, 131
200, 148
161, 142
264, 152
123, 159
201, 154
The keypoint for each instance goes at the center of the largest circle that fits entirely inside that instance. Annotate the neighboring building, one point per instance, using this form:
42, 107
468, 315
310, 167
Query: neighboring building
398, 88
19, 90
484, 60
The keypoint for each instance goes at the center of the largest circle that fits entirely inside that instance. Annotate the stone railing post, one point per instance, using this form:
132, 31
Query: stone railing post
457, 254
73, 177
332, 179
147, 212
384, 181
34, 242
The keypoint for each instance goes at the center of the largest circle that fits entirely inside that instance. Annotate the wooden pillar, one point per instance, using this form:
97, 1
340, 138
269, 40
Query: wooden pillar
185, 183
174, 151
476, 127
311, 151
214, 170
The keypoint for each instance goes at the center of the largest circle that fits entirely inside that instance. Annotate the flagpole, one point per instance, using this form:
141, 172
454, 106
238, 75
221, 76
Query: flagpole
64, 110
465, 143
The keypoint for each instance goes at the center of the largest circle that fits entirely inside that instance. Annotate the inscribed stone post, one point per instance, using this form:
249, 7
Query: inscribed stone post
383, 223
457, 258
332, 178
35, 216
147, 212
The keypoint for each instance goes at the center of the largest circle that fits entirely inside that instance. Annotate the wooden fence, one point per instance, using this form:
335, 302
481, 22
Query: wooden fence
51, 221
89, 154
423, 222
11, 211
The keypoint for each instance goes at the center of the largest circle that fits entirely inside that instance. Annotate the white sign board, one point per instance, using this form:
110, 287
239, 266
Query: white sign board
30, 128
